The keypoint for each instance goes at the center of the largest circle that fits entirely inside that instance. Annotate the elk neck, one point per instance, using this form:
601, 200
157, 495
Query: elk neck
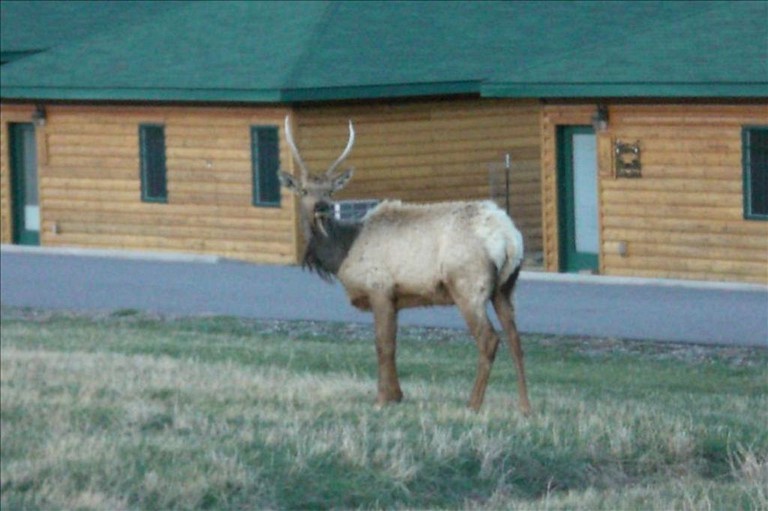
328, 244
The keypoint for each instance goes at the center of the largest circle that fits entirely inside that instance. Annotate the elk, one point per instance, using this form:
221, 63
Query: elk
411, 255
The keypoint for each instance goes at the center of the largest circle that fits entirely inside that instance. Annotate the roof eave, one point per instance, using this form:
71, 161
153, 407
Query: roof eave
625, 90
488, 90
140, 94
380, 91
240, 95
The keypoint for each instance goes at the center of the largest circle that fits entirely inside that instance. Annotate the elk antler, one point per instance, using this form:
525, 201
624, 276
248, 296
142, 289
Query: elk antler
295, 150
345, 153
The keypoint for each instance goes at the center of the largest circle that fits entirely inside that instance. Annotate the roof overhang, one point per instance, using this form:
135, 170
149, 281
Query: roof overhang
624, 90
288, 95
385, 91
134, 94
382, 91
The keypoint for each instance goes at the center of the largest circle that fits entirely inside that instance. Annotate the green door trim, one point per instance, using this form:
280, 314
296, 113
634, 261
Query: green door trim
21, 235
570, 260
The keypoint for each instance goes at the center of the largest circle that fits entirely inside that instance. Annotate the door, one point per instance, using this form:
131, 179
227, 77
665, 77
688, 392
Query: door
25, 204
577, 196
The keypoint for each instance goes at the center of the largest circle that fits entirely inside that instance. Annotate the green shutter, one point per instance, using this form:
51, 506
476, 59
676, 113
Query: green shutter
755, 160
153, 170
265, 153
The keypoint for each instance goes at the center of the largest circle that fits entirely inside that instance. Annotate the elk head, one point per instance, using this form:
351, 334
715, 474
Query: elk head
315, 191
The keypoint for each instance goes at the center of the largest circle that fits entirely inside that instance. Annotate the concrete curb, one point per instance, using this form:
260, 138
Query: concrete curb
174, 257
533, 276
610, 280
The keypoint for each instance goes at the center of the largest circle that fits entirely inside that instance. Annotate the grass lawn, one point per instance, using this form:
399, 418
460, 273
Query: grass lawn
130, 411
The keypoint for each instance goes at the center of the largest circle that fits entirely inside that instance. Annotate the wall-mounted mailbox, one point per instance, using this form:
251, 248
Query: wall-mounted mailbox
627, 158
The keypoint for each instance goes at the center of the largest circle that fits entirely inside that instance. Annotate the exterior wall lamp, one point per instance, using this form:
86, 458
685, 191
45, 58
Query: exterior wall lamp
600, 118
39, 116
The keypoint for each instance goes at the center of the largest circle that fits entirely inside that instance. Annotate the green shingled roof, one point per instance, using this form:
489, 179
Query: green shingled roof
30, 27
698, 49
305, 51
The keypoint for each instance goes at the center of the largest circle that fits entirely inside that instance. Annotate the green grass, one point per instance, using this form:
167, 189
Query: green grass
130, 411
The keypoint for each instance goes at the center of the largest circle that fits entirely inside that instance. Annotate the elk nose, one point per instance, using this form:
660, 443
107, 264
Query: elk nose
322, 208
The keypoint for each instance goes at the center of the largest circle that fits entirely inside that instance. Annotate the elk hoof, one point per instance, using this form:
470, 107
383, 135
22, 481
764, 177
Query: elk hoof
387, 398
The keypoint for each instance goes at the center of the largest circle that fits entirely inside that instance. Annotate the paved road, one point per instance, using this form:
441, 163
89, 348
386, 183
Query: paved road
546, 303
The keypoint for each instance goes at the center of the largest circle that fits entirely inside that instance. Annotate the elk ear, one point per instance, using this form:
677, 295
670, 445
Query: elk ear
289, 182
341, 180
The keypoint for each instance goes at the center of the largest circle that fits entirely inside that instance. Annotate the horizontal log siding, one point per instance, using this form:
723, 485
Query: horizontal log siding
8, 114
91, 191
431, 151
684, 217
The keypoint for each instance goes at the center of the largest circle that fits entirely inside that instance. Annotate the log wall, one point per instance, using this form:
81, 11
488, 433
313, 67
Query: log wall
684, 218
418, 151
428, 151
90, 189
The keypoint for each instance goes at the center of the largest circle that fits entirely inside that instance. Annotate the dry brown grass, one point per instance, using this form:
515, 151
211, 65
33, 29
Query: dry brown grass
145, 413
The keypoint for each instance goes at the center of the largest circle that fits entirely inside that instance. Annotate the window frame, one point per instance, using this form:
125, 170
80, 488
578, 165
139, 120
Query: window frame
257, 173
144, 165
749, 214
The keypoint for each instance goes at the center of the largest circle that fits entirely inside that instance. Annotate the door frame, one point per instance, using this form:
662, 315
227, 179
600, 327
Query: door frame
571, 260
20, 234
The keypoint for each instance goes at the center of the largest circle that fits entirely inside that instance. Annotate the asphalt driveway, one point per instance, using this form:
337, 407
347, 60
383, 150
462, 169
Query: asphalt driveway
546, 303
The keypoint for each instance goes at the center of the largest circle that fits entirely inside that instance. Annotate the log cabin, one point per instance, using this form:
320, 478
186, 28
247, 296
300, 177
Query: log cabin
157, 125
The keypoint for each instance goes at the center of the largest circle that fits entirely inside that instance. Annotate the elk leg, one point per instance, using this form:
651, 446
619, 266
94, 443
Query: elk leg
487, 344
385, 318
502, 304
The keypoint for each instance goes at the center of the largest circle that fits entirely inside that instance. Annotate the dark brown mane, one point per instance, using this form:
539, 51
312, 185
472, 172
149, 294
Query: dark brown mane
326, 251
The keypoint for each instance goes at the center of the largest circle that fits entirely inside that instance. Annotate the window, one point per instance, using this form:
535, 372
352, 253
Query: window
755, 158
265, 153
353, 209
153, 172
